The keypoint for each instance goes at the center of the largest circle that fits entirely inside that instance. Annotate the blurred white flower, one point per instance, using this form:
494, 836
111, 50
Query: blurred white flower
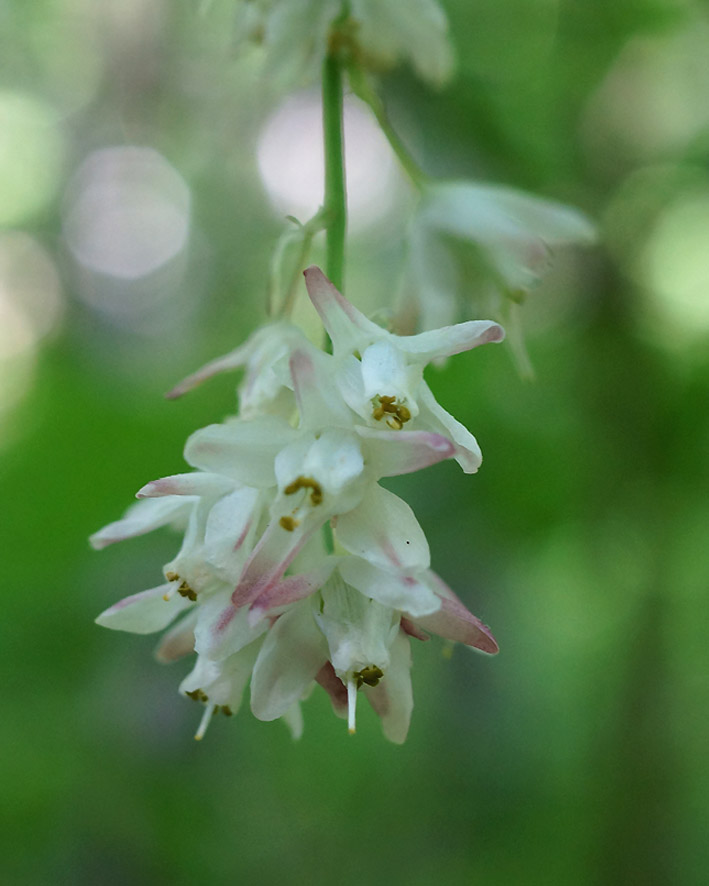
377, 34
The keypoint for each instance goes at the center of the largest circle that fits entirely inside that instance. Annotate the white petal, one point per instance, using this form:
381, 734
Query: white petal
178, 641
351, 386
316, 394
293, 718
392, 698
241, 450
395, 589
222, 629
233, 360
348, 328
142, 517
144, 613
383, 530
230, 526
390, 453
385, 371
292, 654
334, 459
196, 483
450, 340
435, 418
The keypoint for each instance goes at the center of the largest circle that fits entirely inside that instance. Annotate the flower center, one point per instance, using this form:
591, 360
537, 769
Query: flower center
184, 590
371, 675
397, 414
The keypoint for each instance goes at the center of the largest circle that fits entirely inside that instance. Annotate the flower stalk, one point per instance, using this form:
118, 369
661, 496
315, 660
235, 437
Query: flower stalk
335, 202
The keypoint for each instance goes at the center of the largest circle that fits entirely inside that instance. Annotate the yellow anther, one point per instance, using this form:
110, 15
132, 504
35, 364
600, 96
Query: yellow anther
172, 576
227, 711
186, 591
371, 675
197, 695
288, 523
306, 483
397, 413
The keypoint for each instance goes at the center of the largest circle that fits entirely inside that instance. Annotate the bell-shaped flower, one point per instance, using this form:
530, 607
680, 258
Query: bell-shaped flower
380, 375
219, 686
359, 633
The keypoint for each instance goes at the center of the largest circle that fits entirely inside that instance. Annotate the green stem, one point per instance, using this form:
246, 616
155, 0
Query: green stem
335, 203
363, 90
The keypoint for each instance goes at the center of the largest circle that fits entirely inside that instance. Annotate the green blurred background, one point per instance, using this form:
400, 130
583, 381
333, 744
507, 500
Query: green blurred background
578, 755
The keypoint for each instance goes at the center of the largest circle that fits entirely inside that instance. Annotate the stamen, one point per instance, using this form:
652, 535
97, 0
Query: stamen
397, 413
206, 717
351, 706
306, 483
371, 675
185, 590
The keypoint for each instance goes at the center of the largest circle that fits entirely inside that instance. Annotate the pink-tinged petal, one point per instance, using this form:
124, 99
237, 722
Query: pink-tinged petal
454, 621
241, 450
196, 483
178, 641
394, 589
383, 530
450, 340
348, 328
144, 613
436, 419
292, 654
390, 453
408, 627
316, 394
335, 688
273, 554
223, 629
142, 517
233, 360
392, 698
291, 589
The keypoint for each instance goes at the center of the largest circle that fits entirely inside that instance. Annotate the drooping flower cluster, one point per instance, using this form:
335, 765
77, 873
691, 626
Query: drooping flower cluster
296, 566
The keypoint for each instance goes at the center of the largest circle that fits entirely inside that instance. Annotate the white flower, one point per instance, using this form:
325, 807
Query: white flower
295, 35
380, 375
262, 390
507, 238
253, 591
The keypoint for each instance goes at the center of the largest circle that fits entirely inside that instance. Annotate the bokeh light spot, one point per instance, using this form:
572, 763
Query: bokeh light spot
31, 152
675, 264
31, 308
127, 212
290, 159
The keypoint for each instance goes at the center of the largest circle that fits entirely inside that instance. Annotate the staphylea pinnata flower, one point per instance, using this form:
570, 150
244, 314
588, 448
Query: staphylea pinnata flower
476, 248
295, 36
253, 590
